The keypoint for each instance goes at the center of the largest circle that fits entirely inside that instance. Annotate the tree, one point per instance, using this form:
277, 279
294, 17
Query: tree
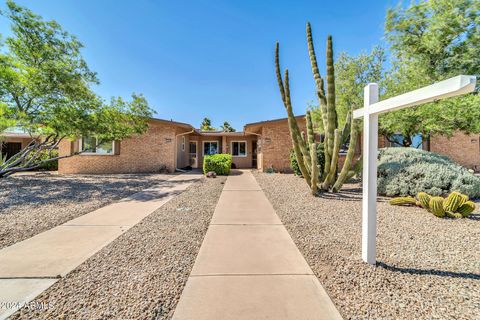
207, 125
45, 89
432, 41
227, 127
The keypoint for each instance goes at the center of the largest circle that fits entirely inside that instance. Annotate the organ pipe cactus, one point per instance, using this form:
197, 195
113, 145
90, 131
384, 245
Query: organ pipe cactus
330, 179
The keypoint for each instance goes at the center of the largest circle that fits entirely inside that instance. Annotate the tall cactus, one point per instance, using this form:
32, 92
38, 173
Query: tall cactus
330, 179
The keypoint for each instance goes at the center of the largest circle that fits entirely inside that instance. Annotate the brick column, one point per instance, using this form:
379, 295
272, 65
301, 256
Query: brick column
224, 144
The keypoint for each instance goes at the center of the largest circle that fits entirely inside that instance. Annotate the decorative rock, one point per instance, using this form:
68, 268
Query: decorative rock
211, 174
142, 273
422, 260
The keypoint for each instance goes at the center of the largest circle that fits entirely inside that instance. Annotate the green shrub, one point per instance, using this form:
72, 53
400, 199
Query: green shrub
320, 158
408, 171
45, 155
218, 163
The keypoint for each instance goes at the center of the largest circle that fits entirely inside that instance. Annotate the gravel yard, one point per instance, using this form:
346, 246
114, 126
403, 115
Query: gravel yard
35, 202
141, 274
429, 268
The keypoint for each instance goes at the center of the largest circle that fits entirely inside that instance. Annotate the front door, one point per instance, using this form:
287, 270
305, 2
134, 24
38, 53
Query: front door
9, 149
192, 154
254, 154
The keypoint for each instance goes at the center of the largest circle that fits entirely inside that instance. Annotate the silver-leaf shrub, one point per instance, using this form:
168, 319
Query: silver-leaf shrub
407, 171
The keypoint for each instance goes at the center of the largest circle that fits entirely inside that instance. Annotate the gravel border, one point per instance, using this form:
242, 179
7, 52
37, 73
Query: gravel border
429, 268
142, 273
35, 202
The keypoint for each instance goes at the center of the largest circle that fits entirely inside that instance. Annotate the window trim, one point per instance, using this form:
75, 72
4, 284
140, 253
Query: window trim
183, 143
80, 142
209, 141
246, 148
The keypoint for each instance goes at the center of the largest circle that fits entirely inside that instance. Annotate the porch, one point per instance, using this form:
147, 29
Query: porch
191, 147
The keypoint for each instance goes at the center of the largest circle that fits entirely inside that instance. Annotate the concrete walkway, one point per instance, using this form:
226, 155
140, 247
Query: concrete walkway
29, 267
248, 266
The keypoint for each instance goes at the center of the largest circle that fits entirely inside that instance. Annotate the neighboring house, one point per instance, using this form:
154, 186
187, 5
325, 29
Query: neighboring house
170, 145
13, 140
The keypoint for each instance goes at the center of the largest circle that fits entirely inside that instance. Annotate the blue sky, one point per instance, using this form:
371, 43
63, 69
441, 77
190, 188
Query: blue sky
193, 59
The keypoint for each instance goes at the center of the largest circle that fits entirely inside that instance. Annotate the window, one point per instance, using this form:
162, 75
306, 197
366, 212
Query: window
183, 143
396, 140
210, 147
92, 145
192, 147
239, 148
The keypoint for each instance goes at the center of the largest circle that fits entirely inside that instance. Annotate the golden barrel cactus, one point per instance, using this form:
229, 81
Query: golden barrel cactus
453, 201
466, 209
423, 200
403, 201
436, 206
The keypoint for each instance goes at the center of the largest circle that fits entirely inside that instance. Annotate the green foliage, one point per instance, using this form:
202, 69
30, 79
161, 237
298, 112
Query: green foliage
407, 171
47, 165
442, 35
6, 119
270, 170
226, 127
218, 163
432, 41
207, 125
320, 160
45, 89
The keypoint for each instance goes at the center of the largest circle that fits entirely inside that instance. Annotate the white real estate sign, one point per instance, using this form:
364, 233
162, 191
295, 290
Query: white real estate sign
372, 108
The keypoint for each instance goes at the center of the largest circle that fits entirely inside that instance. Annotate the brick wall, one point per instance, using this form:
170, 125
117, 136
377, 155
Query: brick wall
145, 153
276, 144
461, 148
241, 162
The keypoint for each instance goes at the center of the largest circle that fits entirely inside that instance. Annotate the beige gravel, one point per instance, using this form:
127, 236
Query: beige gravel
34, 202
429, 268
141, 274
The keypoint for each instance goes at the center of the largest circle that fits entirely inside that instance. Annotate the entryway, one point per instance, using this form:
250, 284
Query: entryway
193, 154
11, 148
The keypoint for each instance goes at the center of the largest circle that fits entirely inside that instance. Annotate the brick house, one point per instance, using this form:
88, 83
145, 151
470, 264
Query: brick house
171, 145
174, 145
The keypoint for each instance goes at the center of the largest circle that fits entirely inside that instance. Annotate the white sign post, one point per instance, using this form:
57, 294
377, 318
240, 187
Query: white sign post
372, 108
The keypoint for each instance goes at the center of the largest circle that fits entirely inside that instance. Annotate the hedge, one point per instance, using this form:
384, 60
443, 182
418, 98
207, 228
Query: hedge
218, 163
408, 171
320, 160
